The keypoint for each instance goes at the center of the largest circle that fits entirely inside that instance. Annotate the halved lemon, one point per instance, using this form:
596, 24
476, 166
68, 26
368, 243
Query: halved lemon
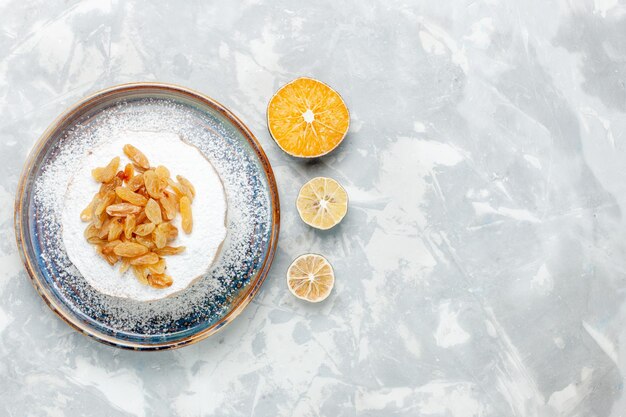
310, 277
322, 203
307, 118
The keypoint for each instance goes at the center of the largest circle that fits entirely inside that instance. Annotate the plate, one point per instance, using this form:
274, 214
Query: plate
253, 217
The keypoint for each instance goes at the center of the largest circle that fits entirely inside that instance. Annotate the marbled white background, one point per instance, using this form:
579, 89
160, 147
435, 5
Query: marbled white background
481, 268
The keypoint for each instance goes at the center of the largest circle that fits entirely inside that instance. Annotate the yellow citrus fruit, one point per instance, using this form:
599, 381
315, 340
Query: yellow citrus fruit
322, 203
310, 277
307, 118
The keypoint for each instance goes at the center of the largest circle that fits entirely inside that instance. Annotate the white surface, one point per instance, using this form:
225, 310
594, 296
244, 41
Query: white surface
209, 212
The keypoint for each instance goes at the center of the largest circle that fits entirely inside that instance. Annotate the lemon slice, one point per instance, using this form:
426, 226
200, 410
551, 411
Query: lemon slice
322, 203
307, 118
310, 277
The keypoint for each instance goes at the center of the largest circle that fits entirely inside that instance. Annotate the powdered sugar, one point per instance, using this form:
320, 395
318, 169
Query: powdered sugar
209, 209
248, 218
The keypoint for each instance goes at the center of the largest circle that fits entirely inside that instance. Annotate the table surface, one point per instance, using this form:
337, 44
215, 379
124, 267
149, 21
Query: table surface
480, 269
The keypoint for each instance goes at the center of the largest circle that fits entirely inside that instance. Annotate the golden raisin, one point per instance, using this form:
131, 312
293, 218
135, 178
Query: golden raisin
141, 274
185, 212
169, 250
187, 184
133, 198
125, 265
92, 234
115, 229
162, 172
105, 202
153, 212
103, 231
95, 240
169, 230
129, 225
142, 218
109, 186
135, 182
144, 229
130, 249
159, 280
179, 189
169, 202
136, 156
122, 209
109, 247
157, 268
153, 184
90, 231
129, 172
149, 258
87, 212
111, 258
98, 221
106, 174
159, 237
147, 242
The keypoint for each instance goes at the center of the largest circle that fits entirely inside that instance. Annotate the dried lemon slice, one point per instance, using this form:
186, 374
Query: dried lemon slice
322, 203
310, 277
307, 118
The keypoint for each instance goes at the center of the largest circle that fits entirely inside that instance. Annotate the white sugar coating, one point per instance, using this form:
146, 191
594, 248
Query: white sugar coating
209, 213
